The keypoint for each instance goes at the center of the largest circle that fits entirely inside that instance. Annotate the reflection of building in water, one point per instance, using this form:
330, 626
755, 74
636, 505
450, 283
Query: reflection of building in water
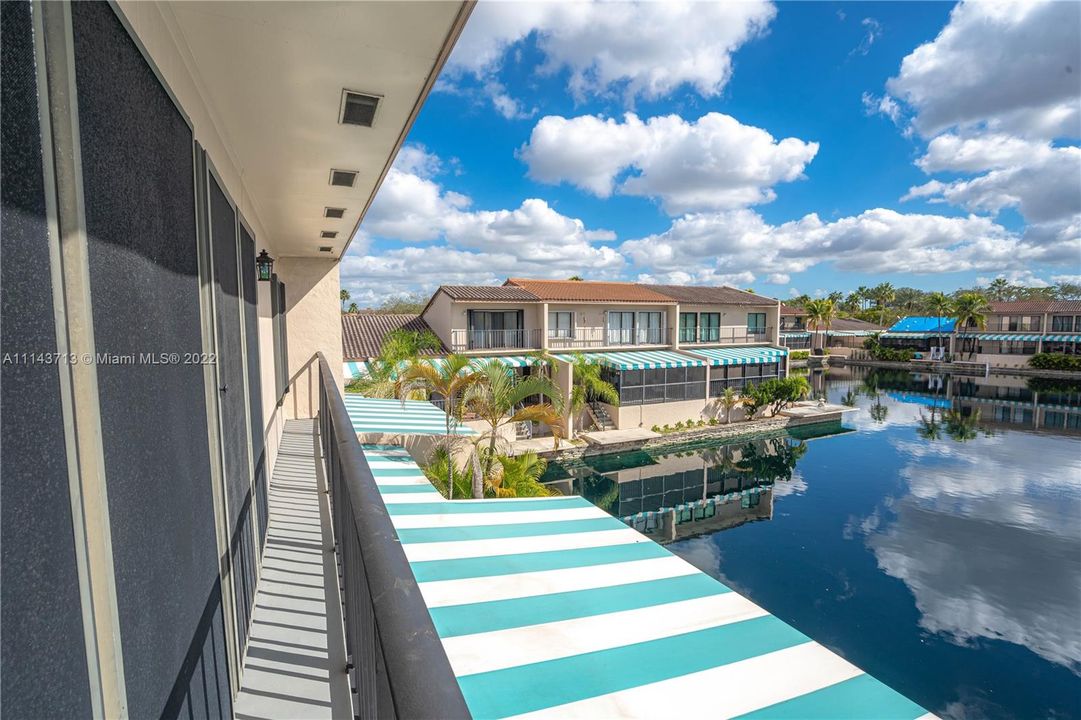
702, 517
688, 491
999, 400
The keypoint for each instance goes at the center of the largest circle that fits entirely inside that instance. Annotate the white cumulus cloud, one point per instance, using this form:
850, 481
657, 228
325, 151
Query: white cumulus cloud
638, 49
715, 162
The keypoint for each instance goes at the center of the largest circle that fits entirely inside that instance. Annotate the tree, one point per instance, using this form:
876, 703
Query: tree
941, 307
353, 308
960, 427
450, 380
400, 348
521, 477
729, 401
576, 278
497, 399
403, 305
587, 385
1000, 290
971, 310
820, 315
344, 295
775, 394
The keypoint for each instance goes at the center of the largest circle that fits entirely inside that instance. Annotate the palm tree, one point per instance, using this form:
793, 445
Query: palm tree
521, 477
587, 384
971, 310
820, 315
941, 306
1000, 290
399, 349
883, 294
497, 400
960, 427
450, 379
344, 295
729, 401
353, 308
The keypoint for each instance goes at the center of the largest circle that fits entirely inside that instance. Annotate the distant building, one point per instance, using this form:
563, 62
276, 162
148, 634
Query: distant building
843, 332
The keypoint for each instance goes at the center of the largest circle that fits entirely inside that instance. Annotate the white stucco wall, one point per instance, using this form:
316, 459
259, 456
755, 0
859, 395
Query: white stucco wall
313, 324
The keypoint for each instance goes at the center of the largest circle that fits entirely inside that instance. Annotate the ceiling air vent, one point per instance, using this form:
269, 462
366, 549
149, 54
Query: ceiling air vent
358, 108
334, 212
329, 234
326, 248
343, 178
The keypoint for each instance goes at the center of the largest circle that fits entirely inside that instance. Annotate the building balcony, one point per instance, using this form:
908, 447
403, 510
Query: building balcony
597, 337
733, 335
514, 339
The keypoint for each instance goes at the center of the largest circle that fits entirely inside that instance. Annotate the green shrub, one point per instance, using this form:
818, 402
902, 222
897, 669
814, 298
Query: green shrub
775, 394
666, 428
679, 425
656, 428
713, 421
799, 354
1055, 361
879, 352
701, 423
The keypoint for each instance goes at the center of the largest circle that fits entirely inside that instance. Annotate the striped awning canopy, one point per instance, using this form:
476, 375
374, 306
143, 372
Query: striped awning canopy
639, 360
354, 369
551, 607
511, 361
1021, 337
852, 333
413, 417
795, 335
741, 356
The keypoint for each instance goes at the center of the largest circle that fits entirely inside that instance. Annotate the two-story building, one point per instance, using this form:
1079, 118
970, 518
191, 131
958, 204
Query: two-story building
1015, 331
669, 350
843, 332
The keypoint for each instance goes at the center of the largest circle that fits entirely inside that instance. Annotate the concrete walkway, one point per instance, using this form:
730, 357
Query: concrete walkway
295, 662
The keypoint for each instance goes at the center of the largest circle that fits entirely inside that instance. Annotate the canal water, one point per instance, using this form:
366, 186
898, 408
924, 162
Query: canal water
933, 539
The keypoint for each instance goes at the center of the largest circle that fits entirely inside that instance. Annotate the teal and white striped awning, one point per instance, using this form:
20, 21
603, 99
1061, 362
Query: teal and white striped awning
354, 369
852, 333
741, 356
413, 417
1023, 337
511, 361
794, 335
551, 607
638, 360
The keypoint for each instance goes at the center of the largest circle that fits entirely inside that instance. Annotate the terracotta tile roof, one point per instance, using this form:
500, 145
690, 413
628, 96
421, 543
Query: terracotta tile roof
712, 295
363, 333
488, 292
1037, 306
790, 310
590, 291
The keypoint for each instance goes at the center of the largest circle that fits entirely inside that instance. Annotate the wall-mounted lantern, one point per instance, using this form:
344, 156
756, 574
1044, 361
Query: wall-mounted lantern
265, 265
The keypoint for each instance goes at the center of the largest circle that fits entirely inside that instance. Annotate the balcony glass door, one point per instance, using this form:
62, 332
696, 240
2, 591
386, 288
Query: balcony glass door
491, 329
650, 328
620, 328
711, 327
756, 324
688, 327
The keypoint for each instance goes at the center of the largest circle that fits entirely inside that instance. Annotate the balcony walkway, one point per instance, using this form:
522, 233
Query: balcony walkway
551, 608
294, 665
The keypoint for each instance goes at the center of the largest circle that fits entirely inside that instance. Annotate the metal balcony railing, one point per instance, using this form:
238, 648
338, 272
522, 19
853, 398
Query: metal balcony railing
397, 664
725, 335
597, 337
515, 339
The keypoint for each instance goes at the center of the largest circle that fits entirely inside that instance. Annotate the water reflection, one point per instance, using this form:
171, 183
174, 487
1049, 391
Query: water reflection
683, 491
938, 546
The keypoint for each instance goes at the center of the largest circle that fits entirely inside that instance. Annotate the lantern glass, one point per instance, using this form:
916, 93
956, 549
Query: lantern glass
265, 265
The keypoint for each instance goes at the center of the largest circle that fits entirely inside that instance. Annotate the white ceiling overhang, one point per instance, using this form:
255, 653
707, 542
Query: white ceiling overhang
273, 74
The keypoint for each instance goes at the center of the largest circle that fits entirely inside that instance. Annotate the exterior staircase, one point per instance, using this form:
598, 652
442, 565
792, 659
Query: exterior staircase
600, 416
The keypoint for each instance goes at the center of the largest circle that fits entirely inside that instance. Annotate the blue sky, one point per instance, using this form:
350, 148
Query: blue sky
788, 147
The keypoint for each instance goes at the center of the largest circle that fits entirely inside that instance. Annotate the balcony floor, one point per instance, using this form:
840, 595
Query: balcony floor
295, 662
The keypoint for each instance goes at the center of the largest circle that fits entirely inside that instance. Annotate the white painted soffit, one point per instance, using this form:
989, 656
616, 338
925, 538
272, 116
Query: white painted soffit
274, 72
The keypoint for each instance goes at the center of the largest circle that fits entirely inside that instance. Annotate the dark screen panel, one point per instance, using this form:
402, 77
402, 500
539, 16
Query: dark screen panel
255, 394
233, 401
40, 609
138, 176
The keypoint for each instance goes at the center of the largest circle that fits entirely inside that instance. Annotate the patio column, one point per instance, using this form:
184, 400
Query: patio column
564, 377
544, 326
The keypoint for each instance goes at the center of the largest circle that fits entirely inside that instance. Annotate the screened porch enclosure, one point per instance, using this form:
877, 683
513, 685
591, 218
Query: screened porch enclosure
657, 385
